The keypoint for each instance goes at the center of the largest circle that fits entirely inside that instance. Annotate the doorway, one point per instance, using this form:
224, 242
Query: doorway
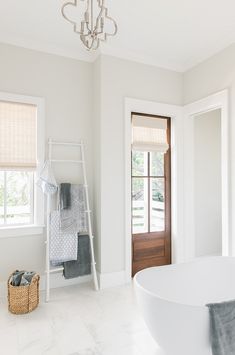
151, 191
208, 183
182, 175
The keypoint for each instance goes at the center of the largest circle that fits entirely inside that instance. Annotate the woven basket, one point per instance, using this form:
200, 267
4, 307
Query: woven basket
23, 299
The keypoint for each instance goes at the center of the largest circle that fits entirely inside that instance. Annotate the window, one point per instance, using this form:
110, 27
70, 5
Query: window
148, 192
16, 198
21, 156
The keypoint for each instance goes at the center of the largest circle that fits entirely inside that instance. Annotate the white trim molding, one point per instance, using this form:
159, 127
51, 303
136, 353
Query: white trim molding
57, 281
113, 279
210, 103
20, 231
176, 114
183, 238
78, 53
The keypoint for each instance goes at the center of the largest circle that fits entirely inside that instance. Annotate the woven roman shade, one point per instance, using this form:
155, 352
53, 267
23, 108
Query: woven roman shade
18, 124
149, 134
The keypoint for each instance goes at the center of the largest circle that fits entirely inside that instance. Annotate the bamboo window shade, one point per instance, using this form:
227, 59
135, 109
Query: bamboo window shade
149, 134
18, 136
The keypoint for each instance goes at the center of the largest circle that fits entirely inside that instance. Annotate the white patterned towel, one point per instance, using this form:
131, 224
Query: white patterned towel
77, 213
65, 226
63, 244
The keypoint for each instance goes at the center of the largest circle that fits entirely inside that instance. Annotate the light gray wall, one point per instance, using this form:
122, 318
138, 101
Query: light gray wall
87, 101
84, 101
213, 75
207, 182
66, 85
120, 79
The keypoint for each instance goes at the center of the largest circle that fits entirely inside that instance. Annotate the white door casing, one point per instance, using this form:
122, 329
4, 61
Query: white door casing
182, 173
210, 103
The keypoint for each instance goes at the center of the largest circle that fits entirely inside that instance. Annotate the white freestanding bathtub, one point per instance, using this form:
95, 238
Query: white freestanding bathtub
173, 298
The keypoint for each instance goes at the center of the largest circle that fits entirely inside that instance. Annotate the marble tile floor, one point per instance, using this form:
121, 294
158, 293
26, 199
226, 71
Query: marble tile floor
78, 321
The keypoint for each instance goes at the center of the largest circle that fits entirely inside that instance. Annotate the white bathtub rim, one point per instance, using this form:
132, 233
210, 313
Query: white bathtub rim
166, 300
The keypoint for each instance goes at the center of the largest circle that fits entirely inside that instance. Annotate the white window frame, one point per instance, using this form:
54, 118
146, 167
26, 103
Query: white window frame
37, 227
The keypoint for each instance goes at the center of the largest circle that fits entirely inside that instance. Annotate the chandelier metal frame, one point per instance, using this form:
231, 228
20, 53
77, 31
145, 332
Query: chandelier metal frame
92, 28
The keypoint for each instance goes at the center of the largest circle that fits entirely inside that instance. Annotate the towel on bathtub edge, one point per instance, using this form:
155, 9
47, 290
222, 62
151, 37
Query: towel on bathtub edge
222, 327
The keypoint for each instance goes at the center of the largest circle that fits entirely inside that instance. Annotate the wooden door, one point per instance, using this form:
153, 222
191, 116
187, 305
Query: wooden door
151, 208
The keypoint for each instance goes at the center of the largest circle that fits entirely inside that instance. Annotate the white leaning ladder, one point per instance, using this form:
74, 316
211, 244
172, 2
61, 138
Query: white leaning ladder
81, 162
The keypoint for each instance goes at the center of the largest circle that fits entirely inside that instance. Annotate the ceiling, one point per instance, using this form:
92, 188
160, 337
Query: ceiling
174, 34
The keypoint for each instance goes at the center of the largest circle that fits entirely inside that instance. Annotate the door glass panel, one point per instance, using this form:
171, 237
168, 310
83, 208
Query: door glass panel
18, 197
139, 205
157, 205
156, 164
139, 163
1, 197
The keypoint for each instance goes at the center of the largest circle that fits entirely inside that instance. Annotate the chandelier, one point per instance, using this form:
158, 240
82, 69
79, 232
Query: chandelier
93, 26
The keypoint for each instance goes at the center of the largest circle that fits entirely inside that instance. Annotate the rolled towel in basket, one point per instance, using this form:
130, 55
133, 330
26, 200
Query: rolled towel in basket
22, 278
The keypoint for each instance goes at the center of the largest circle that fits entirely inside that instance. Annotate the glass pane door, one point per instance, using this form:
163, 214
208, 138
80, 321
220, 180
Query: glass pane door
148, 192
157, 204
151, 203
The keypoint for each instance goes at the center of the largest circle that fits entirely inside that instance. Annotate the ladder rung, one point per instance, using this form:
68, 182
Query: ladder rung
66, 143
66, 161
55, 270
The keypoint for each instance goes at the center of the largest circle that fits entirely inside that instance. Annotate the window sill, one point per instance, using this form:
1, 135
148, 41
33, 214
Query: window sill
20, 231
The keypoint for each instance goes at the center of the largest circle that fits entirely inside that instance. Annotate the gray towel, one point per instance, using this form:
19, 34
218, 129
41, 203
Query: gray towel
82, 266
22, 278
222, 327
65, 196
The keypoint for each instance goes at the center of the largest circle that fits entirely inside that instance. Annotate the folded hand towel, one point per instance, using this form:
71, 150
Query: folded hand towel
65, 196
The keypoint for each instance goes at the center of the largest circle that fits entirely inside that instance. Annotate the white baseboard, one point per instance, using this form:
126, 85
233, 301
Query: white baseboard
106, 280
56, 281
112, 279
